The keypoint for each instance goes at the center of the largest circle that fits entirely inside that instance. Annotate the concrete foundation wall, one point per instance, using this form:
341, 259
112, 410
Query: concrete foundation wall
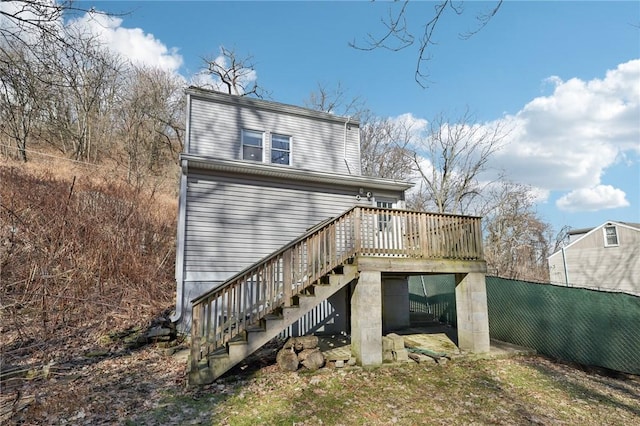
366, 319
472, 312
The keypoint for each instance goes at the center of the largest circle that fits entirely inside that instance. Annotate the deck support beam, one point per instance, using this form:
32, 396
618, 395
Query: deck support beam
472, 313
366, 319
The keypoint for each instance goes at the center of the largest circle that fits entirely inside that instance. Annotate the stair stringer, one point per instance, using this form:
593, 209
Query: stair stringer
218, 363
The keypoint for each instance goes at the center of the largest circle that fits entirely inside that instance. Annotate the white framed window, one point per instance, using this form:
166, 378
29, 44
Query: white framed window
280, 149
384, 220
610, 236
252, 145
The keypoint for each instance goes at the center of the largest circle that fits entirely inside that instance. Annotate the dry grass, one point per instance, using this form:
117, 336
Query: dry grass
81, 253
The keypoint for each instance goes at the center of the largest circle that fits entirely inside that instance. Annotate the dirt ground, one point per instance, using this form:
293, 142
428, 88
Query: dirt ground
147, 386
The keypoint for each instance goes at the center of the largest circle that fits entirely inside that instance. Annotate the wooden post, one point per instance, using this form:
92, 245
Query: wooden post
357, 230
287, 276
195, 337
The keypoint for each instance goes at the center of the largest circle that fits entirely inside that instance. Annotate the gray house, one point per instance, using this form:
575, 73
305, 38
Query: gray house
606, 257
278, 230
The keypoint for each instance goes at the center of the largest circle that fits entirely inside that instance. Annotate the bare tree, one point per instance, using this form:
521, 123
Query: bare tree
150, 118
80, 112
21, 93
385, 148
231, 73
336, 100
517, 241
397, 34
449, 160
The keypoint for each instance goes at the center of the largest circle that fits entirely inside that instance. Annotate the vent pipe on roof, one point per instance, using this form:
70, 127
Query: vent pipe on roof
346, 127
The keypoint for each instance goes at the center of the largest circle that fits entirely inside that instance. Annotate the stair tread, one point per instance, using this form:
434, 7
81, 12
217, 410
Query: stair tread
263, 330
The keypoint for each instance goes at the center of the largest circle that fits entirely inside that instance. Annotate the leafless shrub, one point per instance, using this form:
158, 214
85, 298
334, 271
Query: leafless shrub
79, 258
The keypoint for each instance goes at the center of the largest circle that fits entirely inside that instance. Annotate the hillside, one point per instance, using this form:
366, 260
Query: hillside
84, 255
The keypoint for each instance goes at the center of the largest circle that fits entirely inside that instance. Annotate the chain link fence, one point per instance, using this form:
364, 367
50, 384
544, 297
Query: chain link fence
572, 324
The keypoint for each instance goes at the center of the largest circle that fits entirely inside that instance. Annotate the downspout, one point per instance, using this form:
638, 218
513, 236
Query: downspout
180, 244
566, 269
182, 212
346, 123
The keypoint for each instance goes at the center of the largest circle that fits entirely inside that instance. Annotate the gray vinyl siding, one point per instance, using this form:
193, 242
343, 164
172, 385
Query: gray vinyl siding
231, 222
318, 143
591, 264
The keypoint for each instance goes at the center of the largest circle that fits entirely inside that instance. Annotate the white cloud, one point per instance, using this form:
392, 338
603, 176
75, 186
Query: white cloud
132, 43
410, 122
565, 141
596, 198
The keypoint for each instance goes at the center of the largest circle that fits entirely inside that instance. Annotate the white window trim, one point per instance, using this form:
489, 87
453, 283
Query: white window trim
606, 240
243, 131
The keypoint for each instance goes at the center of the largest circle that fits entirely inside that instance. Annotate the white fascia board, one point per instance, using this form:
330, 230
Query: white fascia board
285, 172
254, 103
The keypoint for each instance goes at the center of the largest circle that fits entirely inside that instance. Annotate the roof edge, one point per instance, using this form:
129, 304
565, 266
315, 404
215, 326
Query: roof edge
268, 105
302, 175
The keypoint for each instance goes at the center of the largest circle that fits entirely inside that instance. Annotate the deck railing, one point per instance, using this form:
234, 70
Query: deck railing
242, 301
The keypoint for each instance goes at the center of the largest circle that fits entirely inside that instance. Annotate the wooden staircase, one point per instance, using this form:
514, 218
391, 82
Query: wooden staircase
235, 319
268, 327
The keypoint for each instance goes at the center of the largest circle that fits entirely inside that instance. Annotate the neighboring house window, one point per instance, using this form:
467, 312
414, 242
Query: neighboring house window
610, 236
252, 145
280, 149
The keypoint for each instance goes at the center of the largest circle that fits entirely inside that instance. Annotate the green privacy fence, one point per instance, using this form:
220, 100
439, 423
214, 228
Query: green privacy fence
573, 324
434, 294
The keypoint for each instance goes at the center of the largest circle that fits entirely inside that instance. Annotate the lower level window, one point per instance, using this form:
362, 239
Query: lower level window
252, 145
280, 149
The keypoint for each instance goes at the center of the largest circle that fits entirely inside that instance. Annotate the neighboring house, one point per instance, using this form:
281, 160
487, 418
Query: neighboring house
606, 257
279, 232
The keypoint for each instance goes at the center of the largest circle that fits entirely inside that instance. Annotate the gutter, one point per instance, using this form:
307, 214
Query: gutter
284, 172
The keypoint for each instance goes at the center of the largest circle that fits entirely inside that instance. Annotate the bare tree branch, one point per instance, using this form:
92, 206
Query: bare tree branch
233, 74
399, 36
449, 161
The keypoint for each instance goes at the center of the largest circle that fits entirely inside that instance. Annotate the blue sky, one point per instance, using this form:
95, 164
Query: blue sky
564, 75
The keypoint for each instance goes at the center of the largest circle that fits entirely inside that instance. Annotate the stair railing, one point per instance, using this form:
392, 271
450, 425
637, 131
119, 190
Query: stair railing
241, 302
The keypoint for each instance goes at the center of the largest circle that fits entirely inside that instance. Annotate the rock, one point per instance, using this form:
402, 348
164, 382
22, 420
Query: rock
400, 355
156, 332
287, 360
302, 342
397, 341
421, 359
313, 360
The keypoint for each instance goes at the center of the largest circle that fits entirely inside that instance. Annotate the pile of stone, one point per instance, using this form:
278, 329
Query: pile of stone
300, 351
393, 349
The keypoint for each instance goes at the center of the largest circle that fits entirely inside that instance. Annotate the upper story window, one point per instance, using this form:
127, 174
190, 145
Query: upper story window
252, 143
280, 149
610, 236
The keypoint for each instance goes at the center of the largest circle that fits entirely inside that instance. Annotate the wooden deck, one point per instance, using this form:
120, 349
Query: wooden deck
376, 239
